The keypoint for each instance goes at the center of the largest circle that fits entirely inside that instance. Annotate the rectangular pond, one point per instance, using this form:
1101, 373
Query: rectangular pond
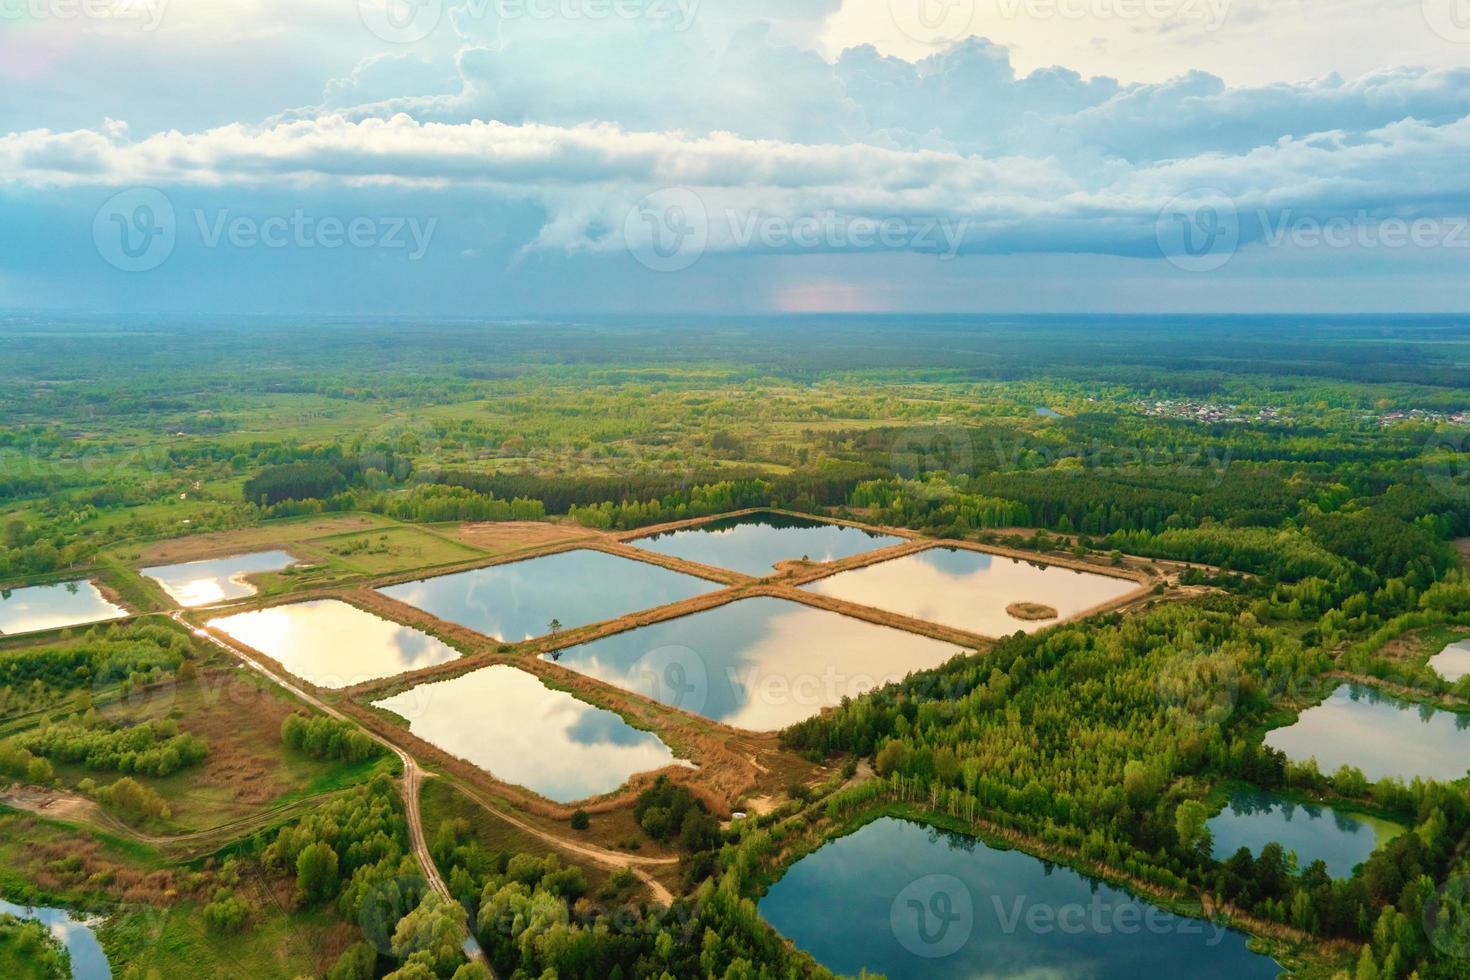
332, 644
1453, 662
1342, 840
50, 607
760, 664
973, 591
906, 901
755, 543
203, 583
1383, 736
513, 726
518, 601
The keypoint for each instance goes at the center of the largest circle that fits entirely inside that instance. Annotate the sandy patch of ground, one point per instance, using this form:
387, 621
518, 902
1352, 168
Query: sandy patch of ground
49, 803
509, 536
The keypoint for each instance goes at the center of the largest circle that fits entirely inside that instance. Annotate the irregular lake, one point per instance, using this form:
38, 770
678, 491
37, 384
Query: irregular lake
754, 543
519, 600
1382, 736
760, 664
332, 644
519, 730
88, 962
1254, 818
900, 899
202, 583
50, 607
1453, 662
970, 590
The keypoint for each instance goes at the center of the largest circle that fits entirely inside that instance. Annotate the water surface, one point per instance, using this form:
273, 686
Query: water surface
517, 601
1254, 818
970, 590
900, 899
519, 730
332, 644
1453, 662
203, 583
88, 962
50, 607
760, 664
1383, 736
754, 543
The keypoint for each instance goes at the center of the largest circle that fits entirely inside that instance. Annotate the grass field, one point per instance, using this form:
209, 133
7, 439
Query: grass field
396, 549
171, 942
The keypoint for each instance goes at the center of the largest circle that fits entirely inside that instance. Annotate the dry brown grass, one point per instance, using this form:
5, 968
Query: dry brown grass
266, 537
1033, 612
59, 862
511, 536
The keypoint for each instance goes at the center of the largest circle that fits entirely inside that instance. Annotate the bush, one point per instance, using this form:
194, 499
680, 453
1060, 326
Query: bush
328, 738
580, 820
134, 801
226, 914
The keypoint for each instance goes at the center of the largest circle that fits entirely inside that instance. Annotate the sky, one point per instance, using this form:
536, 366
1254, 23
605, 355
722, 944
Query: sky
512, 157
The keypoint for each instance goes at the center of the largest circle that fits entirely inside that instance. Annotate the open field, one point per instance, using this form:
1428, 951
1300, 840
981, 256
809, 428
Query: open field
268, 537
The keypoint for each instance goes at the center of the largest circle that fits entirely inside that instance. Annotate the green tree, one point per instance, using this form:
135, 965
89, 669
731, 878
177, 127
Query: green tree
316, 872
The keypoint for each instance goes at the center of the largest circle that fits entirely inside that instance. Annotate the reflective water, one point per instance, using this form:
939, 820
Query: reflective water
754, 543
1343, 840
1382, 736
517, 601
513, 726
202, 583
970, 590
49, 607
1453, 662
332, 644
88, 962
760, 664
900, 899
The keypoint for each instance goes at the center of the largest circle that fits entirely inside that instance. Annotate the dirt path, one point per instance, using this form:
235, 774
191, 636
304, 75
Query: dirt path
412, 775
598, 855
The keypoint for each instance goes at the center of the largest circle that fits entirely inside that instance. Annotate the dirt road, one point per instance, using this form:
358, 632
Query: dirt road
412, 775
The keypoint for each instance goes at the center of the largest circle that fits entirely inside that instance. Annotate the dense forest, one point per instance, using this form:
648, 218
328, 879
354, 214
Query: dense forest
1314, 474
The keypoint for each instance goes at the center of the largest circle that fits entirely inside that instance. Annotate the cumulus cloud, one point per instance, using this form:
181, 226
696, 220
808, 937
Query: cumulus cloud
588, 177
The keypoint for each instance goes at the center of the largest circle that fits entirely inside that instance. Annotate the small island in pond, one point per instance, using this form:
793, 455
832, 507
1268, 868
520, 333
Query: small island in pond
1032, 612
